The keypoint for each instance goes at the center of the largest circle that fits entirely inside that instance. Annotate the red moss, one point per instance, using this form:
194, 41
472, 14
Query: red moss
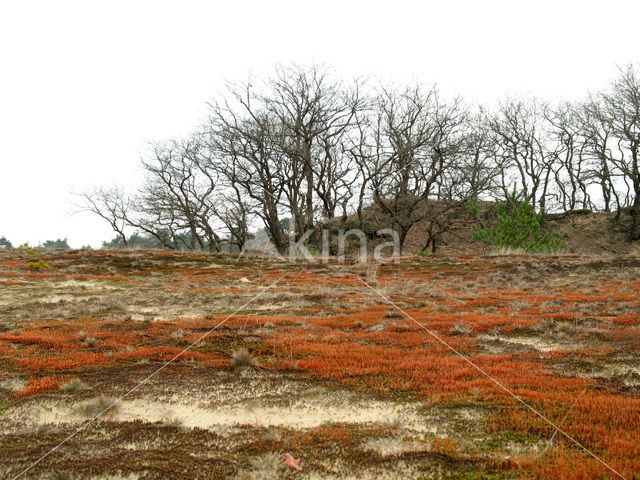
38, 385
10, 283
37, 339
444, 445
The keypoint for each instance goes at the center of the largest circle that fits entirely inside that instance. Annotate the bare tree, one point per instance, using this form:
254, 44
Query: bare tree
521, 150
283, 143
597, 137
468, 176
176, 203
316, 113
617, 113
242, 137
415, 141
306, 144
569, 157
361, 148
235, 210
111, 204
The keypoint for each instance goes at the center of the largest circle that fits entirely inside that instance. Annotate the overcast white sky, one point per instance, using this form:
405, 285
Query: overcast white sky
83, 85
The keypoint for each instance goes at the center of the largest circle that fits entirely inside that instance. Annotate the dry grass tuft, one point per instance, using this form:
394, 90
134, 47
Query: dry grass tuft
243, 358
99, 405
174, 423
178, 334
75, 386
264, 467
90, 341
461, 329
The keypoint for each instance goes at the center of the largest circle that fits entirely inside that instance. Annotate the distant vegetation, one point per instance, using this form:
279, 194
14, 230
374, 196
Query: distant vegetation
308, 145
136, 240
4, 243
60, 244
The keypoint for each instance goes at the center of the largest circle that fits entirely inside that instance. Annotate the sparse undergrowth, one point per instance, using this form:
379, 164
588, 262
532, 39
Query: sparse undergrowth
558, 330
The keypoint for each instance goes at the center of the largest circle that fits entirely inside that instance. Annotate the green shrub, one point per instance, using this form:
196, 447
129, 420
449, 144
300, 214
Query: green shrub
27, 249
518, 226
39, 265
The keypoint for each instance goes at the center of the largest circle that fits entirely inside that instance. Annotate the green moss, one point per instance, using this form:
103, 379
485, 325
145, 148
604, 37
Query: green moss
4, 406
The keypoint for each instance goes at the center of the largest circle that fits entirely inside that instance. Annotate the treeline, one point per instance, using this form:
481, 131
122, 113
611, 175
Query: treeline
308, 145
60, 243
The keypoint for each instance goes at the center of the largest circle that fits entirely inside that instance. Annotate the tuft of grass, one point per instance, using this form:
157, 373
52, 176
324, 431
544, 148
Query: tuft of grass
177, 335
174, 423
507, 251
4, 406
312, 392
264, 467
90, 341
461, 329
75, 386
369, 272
98, 405
243, 358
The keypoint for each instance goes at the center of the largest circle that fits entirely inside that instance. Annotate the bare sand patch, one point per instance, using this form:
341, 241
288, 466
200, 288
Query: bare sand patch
501, 343
130, 476
251, 400
57, 298
13, 383
300, 414
387, 447
627, 372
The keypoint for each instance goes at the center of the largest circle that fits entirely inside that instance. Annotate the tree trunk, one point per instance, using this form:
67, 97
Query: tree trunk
402, 234
635, 219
